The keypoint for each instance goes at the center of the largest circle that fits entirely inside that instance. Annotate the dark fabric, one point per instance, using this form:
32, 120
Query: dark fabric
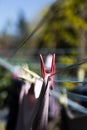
76, 123
53, 108
13, 103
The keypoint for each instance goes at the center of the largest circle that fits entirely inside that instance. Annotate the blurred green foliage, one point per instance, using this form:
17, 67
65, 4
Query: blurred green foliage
64, 28
5, 80
5, 77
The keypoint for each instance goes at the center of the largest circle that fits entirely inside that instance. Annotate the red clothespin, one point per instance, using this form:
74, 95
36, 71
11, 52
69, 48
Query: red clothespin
51, 72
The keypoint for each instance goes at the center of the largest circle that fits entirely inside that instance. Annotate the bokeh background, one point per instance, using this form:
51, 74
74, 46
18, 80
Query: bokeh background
28, 28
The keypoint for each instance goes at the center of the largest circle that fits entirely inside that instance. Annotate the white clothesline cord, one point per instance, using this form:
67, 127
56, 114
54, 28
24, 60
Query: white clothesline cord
71, 103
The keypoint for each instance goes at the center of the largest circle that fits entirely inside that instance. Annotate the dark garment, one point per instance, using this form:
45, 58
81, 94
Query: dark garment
76, 123
13, 103
53, 108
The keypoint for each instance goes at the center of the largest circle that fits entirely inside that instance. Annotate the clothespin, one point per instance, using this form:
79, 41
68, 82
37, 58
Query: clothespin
51, 72
33, 74
27, 74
